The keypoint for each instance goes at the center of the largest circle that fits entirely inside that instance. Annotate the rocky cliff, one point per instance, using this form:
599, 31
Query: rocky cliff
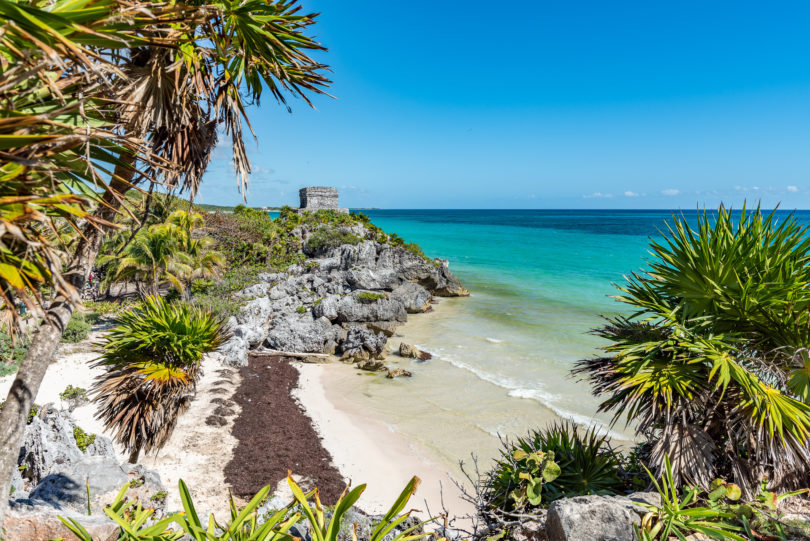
346, 299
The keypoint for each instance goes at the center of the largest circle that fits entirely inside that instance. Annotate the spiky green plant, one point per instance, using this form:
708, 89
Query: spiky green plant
712, 367
582, 461
152, 361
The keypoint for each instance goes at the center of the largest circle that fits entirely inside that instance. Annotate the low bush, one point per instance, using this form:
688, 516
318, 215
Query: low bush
719, 513
83, 439
74, 396
585, 463
323, 239
77, 329
104, 308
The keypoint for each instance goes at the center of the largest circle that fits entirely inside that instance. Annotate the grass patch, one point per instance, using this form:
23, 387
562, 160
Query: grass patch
83, 439
367, 297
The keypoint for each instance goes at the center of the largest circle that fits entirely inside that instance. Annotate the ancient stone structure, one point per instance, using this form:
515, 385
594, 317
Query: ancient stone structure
320, 198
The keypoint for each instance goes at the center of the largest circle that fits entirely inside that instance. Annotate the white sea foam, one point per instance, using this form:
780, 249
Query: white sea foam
494, 340
516, 390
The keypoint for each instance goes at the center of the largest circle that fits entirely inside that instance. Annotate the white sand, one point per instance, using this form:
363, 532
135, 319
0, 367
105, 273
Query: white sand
367, 451
196, 452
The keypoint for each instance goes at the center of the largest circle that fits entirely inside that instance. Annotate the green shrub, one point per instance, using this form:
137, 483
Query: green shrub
152, 360
158, 496
367, 297
83, 439
301, 309
712, 365
324, 238
586, 463
74, 396
77, 329
103, 308
32, 412
12, 352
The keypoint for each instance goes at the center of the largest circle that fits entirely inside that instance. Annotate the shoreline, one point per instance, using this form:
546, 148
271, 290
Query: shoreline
366, 450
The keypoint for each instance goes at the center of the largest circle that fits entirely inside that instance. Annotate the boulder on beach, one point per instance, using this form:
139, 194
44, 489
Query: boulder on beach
408, 351
398, 373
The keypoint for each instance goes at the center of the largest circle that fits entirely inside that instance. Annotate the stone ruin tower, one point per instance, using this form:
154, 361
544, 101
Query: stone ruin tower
319, 198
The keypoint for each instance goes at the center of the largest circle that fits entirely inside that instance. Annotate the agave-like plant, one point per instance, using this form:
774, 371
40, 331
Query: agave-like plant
152, 360
712, 366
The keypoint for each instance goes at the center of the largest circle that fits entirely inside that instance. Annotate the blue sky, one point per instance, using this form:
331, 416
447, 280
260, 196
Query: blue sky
565, 104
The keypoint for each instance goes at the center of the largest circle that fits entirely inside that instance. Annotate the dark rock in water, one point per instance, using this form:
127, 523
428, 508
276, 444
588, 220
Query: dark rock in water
372, 365
596, 518
414, 298
28, 520
425, 355
408, 351
398, 373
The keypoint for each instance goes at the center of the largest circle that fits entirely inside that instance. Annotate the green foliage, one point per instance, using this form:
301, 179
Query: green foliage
74, 396
158, 496
245, 524
83, 439
301, 309
218, 296
367, 297
584, 463
152, 361
326, 238
518, 479
104, 308
77, 329
712, 367
12, 352
719, 513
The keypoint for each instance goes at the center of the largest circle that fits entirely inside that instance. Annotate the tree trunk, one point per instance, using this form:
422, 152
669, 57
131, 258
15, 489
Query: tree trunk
46, 338
133, 456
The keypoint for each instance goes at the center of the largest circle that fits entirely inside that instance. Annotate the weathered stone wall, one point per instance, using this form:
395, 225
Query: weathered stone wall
319, 198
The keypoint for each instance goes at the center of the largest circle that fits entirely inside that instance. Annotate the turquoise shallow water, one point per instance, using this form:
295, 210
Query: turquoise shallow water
539, 281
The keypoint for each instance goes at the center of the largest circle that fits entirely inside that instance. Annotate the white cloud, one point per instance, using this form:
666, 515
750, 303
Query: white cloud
628, 193
597, 195
670, 191
792, 189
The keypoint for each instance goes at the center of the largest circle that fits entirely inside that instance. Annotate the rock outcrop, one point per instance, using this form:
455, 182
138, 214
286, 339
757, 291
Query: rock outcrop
54, 473
596, 518
346, 300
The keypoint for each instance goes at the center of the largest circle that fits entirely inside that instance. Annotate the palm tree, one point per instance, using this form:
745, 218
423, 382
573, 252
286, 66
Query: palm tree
152, 361
178, 72
154, 256
712, 366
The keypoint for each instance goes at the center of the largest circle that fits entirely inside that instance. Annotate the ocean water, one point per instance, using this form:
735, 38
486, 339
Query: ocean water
540, 281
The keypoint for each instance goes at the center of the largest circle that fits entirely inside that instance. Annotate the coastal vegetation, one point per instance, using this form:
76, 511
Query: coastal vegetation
152, 361
712, 365
253, 522
146, 110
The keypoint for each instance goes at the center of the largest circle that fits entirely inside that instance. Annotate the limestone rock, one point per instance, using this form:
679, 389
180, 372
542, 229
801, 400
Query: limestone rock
596, 518
388, 328
398, 373
350, 309
37, 521
300, 333
105, 477
415, 298
328, 307
361, 339
408, 351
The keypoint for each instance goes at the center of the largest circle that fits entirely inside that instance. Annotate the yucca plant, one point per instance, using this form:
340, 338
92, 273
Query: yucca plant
152, 360
712, 365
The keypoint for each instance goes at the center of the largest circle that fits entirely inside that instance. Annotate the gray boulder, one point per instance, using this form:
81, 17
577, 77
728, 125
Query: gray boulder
49, 445
595, 518
103, 476
328, 307
350, 309
362, 344
415, 298
408, 351
300, 333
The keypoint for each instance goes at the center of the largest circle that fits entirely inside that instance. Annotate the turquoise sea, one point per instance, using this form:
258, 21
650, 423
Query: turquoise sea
539, 282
